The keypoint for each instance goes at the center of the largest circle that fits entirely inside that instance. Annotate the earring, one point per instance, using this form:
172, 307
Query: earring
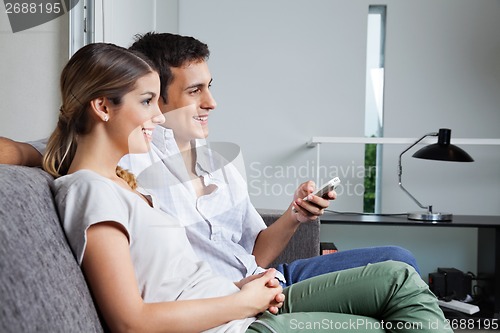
106, 117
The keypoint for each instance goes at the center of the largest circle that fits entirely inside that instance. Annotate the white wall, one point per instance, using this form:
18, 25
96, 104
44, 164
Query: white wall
118, 21
285, 71
31, 61
30, 65
445, 73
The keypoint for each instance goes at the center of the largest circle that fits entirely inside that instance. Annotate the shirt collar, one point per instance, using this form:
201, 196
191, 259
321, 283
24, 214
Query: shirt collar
164, 141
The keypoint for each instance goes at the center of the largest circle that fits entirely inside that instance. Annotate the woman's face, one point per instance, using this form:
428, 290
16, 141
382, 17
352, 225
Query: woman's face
139, 114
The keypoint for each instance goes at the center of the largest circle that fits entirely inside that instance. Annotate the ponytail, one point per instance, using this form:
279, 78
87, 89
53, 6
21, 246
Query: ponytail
61, 147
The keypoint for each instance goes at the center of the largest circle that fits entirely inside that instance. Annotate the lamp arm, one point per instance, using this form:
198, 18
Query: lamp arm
400, 171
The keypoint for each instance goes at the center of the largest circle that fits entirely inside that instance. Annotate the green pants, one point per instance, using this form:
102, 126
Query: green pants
384, 297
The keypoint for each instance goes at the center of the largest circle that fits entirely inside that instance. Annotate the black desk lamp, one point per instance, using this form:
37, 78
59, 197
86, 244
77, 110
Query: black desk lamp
442, 151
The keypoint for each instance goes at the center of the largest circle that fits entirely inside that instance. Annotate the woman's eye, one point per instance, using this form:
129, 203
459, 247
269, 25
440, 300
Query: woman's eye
147, 101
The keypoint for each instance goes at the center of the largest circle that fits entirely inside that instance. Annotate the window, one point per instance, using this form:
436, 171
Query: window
81, 24
374, 104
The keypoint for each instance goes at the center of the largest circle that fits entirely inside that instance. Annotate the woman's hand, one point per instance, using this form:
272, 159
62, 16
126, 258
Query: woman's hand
262, 292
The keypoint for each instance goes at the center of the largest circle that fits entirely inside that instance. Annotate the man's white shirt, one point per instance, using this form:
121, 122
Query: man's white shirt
221, 226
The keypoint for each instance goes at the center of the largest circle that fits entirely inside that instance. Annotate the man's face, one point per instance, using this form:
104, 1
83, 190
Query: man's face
189, 102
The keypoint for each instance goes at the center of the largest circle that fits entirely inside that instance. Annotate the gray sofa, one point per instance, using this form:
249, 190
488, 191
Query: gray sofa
42, 288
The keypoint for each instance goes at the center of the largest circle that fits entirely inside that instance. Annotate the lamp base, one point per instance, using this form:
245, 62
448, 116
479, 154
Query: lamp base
427, 216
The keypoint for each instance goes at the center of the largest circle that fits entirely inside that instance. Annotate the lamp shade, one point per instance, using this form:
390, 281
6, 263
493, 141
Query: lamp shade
443, 150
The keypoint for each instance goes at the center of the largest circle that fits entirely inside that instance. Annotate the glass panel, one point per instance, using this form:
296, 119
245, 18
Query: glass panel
374, 104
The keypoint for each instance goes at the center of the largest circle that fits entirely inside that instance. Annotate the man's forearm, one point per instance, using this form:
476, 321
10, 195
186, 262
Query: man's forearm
272, 241
18, 153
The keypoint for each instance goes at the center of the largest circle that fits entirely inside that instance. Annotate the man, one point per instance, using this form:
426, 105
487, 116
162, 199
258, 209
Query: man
206, 193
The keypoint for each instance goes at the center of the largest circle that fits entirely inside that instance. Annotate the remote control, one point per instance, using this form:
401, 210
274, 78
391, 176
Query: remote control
329, 186
323, 190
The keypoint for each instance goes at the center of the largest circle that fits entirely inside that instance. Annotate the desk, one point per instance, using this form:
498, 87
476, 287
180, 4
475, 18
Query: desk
488, 238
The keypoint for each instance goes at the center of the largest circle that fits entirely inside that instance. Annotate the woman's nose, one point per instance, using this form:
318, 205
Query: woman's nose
158, 118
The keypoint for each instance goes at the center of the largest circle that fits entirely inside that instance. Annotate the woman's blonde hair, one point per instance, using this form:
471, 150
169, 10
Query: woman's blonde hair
96, 70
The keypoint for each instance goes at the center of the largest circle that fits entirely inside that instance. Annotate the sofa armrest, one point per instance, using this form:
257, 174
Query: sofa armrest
304, 243
42, 288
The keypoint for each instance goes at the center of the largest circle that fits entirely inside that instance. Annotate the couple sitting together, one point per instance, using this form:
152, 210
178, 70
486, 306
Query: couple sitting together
186, 252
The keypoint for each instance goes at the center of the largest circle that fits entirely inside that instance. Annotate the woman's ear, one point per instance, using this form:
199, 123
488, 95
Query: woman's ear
100, 108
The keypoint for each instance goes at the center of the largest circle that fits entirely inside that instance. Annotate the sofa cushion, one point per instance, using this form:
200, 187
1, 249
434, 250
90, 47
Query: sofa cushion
42, 289
304, 243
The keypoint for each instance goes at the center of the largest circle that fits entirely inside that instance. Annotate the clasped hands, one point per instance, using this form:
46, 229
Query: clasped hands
263, 290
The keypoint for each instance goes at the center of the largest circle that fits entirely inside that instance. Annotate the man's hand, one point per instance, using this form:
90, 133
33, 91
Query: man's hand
18, 153
314, 206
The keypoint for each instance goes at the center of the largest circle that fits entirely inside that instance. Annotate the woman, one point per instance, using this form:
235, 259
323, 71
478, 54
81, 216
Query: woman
140, 267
